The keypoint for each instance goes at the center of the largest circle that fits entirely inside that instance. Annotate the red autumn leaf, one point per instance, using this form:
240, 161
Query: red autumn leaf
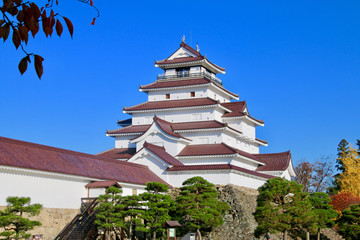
21, 16
91, 3
58, 27
69, 26
38, 65
23, 64
93, 21
16, 38
57, 2
36, 11
23, 31
6, 31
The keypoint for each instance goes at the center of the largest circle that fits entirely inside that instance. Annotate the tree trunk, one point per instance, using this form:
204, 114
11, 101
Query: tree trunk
318, 234
307, 235
198, 233
154, 235
285, 235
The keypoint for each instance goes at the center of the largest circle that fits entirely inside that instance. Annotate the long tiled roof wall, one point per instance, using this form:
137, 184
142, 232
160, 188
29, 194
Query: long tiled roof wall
20, 154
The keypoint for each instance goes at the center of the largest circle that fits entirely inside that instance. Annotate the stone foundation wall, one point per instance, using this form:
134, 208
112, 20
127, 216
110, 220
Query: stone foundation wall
53, 220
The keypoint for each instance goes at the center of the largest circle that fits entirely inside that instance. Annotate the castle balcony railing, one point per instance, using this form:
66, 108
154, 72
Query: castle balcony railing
189, 75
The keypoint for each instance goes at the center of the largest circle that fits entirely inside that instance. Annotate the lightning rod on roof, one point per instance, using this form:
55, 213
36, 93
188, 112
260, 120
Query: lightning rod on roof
183, 39
197, 47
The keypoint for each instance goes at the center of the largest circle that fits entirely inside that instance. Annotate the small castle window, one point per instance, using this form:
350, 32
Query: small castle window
167, 96
192, 94
134, 192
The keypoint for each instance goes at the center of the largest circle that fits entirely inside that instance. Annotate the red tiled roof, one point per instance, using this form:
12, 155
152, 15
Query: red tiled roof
187, 59
161, 153
130, 129
20, 154
174, 127
184, 82
172, 104
274, 161
187, 47
213, 149
177, 83
237, 110
165, 126
118, 153
218, 167
197, 125
179, 60
263, 141
102, 184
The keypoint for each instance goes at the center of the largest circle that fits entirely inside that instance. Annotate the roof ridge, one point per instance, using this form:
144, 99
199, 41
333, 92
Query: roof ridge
264, 154
105, 151
124, 108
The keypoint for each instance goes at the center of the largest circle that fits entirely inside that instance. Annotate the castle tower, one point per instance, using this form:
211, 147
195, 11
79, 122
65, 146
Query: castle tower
192, 125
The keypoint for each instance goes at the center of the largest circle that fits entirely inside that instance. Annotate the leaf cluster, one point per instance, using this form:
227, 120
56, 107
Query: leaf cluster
22, 18
283, 206
198, 207
349, 223
12, 219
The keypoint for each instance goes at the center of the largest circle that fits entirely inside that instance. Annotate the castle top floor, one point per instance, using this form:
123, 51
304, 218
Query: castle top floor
187, 62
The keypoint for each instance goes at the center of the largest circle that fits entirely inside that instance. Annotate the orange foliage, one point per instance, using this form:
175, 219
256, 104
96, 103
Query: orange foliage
343, 200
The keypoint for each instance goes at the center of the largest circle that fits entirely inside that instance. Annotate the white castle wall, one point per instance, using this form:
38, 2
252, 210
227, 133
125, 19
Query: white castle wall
52, 190
123, 141
197, 114
216, 177
176, 94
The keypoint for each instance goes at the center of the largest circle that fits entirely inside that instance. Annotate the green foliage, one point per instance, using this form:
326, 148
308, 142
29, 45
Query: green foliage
132, 210
13, 222
343, 151
282, 206
349, 223
323, 210
157, 205
109, 212
198, 207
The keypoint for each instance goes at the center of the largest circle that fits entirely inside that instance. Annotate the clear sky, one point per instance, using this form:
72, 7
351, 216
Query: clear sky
297, 63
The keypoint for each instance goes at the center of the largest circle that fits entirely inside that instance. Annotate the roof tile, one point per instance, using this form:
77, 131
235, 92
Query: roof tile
21, 154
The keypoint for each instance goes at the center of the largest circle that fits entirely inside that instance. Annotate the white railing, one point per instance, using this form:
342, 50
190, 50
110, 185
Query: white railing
189, 75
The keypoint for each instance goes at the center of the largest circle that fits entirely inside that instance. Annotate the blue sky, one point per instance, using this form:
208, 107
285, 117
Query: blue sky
295, 62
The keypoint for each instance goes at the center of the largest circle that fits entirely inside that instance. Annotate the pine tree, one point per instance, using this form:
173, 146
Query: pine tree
349, 179
109, 212
349, 223
132, 210
343, 151
157, 205
323, 210
198, 206
13, 221
282, 206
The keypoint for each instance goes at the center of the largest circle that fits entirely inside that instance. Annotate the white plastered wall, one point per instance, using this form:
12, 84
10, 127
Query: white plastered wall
186, 115
52, 190
216, 177
176, 94
241, 180
123, 141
